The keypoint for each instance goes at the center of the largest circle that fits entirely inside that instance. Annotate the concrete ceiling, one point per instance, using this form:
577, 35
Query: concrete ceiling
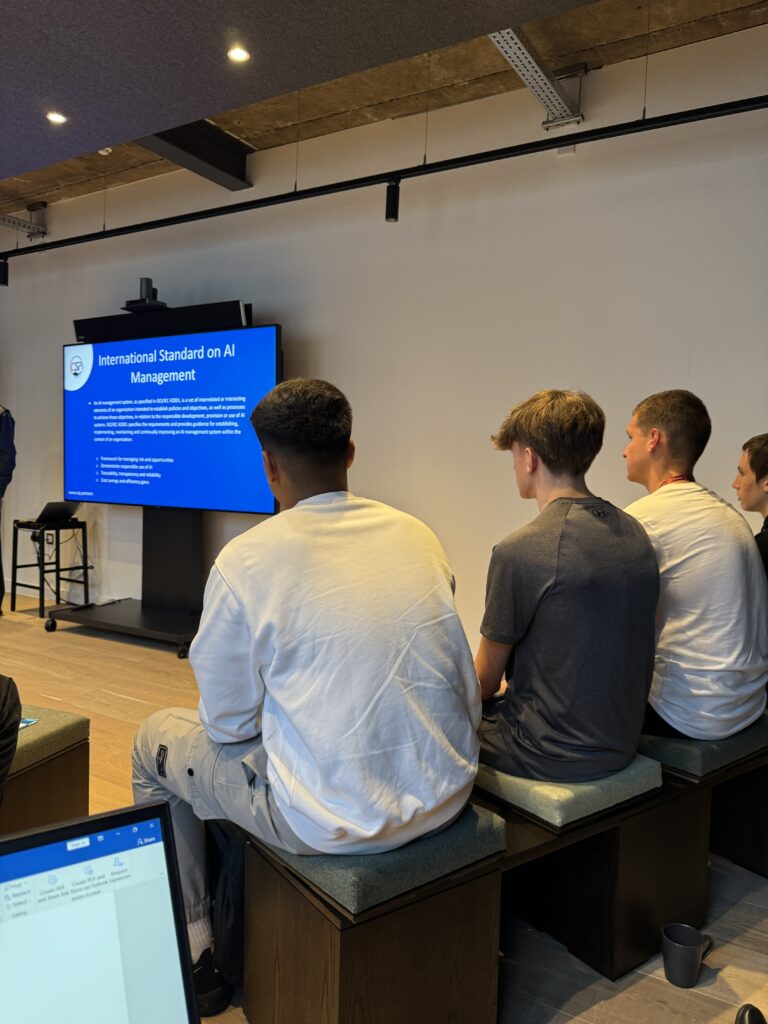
130, 68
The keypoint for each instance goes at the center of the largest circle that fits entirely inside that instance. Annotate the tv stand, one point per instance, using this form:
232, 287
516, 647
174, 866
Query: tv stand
171, 585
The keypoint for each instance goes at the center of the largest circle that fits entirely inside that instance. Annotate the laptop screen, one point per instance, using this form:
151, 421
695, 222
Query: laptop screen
91, 923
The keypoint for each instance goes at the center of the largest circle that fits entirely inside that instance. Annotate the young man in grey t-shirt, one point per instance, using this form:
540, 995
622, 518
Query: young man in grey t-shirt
570, 608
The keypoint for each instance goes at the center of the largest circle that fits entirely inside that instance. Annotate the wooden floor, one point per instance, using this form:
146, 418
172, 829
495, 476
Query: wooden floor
117, 682
543, 984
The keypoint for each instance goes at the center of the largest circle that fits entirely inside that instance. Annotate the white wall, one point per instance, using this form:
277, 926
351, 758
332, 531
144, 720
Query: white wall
631, 266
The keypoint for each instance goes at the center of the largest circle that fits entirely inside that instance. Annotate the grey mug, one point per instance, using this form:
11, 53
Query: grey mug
684, 948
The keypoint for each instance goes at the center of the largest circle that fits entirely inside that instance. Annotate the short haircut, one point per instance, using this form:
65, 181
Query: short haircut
564, 428
757, 455
683, 418
304, 419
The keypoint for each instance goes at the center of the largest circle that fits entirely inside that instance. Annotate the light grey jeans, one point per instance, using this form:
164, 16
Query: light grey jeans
175, 759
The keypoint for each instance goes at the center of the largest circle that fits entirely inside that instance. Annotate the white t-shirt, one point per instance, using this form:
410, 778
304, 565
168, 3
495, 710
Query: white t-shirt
331, 628
711, 662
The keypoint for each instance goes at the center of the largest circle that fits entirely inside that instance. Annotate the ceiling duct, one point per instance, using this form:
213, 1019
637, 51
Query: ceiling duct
35, 227
517, 51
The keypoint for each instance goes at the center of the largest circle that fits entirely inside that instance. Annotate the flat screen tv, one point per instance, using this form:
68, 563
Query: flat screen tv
166, 421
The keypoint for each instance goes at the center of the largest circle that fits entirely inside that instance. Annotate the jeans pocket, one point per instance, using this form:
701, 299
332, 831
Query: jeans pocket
254, 765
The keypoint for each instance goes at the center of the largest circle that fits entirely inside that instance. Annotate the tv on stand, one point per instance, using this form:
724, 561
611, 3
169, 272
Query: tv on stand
161, 420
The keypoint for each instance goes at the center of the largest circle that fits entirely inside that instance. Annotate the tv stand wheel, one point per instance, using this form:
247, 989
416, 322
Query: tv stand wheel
50, 625
183, 651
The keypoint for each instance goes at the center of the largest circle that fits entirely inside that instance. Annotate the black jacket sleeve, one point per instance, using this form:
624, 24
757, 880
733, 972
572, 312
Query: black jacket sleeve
7, 449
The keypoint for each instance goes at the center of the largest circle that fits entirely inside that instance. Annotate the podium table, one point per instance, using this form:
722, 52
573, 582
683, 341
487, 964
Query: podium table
46, 566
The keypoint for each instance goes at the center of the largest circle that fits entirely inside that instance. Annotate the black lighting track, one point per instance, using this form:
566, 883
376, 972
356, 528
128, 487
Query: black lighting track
648, 124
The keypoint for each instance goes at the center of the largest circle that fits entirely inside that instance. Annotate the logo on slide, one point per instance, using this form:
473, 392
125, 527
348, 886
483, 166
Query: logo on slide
78, 363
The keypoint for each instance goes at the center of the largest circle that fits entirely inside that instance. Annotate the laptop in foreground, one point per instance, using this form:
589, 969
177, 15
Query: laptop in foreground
92, 924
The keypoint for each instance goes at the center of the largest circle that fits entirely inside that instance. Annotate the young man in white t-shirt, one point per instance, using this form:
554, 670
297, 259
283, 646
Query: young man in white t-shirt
339, 705
711, 663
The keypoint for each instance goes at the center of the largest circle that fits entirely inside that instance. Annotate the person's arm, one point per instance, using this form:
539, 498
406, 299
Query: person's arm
490, 661
226, 667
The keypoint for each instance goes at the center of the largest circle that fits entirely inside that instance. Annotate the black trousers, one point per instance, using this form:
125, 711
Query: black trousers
10, 716
654, 725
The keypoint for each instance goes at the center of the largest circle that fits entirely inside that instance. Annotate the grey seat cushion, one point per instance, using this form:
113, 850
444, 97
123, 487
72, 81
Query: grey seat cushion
696, 758
53, 732
358, 882
562, 803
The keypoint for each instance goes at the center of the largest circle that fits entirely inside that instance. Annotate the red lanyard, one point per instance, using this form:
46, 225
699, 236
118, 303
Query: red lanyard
679, 479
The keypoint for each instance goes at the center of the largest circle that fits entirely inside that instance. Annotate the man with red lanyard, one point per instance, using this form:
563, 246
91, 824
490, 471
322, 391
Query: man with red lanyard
711, 662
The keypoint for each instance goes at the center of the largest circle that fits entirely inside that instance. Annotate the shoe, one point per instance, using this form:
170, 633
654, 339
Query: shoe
212, 992
749, 1014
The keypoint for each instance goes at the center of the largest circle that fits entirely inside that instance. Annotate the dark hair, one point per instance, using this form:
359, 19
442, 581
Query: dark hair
684, 420
564, 428
308, 419
757, 455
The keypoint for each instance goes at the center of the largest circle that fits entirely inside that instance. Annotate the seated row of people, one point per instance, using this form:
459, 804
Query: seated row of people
588, 605
339, 707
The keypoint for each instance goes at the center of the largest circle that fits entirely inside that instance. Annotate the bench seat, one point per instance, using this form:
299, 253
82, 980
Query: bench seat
697, 759
561, 804
399, 937
48, 781
735, 770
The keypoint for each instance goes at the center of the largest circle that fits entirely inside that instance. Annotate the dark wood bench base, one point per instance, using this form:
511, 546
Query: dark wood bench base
605, 888
430, 955
607, 897
47, 792
740, 820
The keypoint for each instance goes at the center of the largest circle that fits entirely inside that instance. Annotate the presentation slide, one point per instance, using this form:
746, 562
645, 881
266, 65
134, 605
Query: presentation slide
166, 421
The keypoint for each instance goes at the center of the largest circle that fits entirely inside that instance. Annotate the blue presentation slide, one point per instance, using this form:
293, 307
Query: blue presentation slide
166, 421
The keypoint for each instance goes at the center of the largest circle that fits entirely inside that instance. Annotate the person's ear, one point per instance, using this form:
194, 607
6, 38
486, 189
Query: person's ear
654, 439
271, 468
764, 484
531, 460
350, 453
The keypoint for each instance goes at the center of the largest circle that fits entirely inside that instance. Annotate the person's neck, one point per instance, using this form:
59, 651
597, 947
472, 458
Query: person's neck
294, 493
550, 487
667, 472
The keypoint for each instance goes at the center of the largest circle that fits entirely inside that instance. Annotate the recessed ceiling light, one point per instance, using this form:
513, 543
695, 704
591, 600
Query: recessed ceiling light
238, 54
55, 117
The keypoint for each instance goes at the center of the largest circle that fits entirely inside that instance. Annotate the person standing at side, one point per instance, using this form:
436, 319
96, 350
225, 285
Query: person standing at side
7, 466
751, 486
712, 629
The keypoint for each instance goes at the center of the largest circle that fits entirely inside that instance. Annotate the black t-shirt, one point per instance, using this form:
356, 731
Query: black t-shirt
575, 593
762, 544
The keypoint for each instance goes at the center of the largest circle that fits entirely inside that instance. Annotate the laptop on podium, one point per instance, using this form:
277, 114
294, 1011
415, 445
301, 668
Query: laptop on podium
92, 924
54, 513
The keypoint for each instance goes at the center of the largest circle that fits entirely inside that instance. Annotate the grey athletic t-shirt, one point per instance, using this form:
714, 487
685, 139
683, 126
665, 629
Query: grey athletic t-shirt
575, 592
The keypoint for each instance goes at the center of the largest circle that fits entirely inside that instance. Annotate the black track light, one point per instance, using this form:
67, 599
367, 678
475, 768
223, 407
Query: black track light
392, 211
4, 272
